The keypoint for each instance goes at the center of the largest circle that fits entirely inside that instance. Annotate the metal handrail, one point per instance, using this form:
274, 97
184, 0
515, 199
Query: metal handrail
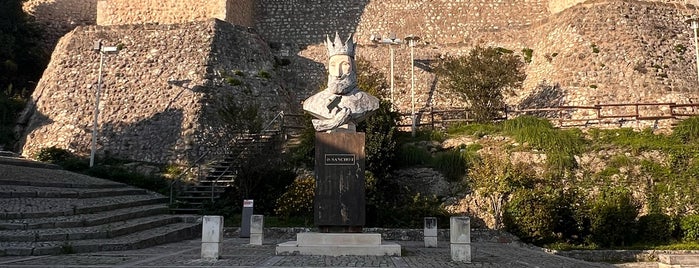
673, 114
279, 115
186, 171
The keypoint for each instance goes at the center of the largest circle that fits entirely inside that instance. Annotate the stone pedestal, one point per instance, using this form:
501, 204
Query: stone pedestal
338, 244
339, 196
430, 232
257, 223
211, 237
460, 238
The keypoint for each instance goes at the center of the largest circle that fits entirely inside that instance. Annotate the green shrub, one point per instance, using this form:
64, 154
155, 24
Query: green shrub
297, 201
542, 216
411, 155
689, 225
452, 164
53, 154
409, 211
613, 218
258, 179
530, 215
527, 52
381, 139
687, 131
655, 228
263, 74
63, 158
560, 145
233, 81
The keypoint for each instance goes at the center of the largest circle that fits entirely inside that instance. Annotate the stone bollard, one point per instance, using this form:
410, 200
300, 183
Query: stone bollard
430, 232
257, 224
211, 237
460, 238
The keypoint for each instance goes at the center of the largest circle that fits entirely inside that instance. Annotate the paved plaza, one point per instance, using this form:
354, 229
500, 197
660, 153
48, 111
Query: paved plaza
237, 252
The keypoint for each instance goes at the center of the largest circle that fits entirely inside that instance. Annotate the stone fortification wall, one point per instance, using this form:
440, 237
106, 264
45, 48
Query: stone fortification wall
437, 22
614, 52
598, 52
118, 12
160, 92
58, 17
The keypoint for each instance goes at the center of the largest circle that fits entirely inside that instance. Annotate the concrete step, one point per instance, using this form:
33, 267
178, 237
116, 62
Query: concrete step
684, 260
53, 207
109, 230
84, 220
137, 240
61, 184
58, 192
196, 199
185, 210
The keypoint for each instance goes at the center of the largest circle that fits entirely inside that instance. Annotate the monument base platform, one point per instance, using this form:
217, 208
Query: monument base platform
338, 244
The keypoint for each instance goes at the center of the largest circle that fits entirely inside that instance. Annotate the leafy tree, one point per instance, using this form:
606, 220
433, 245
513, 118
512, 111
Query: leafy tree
22, 61
496, 178
380, 128
482, 78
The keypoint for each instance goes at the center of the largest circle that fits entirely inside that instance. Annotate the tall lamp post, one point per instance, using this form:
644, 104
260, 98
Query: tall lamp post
694, 24
98, 47
411, 42
390, 41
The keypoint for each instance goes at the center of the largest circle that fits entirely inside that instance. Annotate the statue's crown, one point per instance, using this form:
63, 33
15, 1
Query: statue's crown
338, 47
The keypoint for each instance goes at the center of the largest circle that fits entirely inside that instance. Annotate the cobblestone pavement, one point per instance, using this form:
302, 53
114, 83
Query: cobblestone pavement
238, 253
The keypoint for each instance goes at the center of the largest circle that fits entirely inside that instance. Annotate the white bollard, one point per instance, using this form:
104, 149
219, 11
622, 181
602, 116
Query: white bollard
430, 232
460, 238
211, 237
257, 224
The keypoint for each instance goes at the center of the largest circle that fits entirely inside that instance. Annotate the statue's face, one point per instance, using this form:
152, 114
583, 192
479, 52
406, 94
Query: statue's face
339, 65
341, 75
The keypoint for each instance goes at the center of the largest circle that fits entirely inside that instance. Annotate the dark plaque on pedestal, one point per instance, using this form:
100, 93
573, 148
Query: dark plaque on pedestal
339, 196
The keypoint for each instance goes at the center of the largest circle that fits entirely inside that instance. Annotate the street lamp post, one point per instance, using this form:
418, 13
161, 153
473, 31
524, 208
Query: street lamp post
411, 42
102, 50
390, 41
694, 24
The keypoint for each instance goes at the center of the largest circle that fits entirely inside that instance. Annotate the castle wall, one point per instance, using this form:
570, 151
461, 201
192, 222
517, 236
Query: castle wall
160, 94
118, 12
599, 52
437, 22
58, 17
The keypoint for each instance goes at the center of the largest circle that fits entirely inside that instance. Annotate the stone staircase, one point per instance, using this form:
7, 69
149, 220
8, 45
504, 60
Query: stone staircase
191, 198
51, 211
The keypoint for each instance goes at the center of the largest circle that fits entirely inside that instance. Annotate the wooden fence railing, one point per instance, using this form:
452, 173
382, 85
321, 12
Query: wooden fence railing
565, 116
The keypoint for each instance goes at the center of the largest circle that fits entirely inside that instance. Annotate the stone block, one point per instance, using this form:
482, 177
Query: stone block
430, 226
255, 239
680, 260
385, 249
461, 252
257, 224
212, 229
256, 229
211, 237
210, 250
460, 230
319, 239
430, 241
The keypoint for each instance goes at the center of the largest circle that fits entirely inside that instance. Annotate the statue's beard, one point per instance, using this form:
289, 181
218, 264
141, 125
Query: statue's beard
343, 84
